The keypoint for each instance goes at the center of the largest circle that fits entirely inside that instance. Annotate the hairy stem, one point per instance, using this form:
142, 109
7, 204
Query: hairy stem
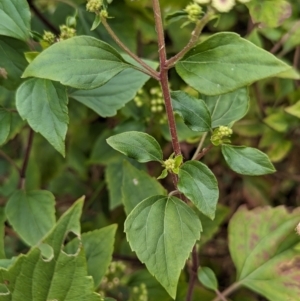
26, 160
200, 24
228, 291
148, 70
164, 80
193, 274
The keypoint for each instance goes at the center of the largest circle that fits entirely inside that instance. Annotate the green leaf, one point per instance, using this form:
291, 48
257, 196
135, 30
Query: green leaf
247, 160
227, 108
113, 95
137, 185
270, 13
137, 145
294, 109
265, 250
44, 104
208, 278
225, 62
97, 22
193, 111
162, 231
15, 19
2, 233
98, 247
62, 277
5, 121
81, 62
32, 214
12, 61
198, 183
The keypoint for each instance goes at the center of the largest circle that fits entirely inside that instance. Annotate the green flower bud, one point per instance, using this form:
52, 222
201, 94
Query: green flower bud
94, 6
66, 32
194, 11
49, 37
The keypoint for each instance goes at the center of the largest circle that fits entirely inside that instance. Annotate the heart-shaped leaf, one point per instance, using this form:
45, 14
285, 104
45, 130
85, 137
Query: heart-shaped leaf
162, 231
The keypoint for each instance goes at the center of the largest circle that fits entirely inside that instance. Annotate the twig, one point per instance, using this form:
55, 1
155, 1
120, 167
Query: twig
164, 76
204, 152
228, 291
193, 274
26, 160
148, 70
219, 294
285, 37
10, 160
200, 145
193, 40
42, 17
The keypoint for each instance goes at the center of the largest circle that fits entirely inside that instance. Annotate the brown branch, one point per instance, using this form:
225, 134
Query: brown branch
228, 291
26, 160
164, 81
200, 24
148, 70
42, 17
204, 152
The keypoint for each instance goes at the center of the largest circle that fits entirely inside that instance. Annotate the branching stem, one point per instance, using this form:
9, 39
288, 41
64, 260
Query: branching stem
148, 70
200, 145
164, 81
200, 24
228, 291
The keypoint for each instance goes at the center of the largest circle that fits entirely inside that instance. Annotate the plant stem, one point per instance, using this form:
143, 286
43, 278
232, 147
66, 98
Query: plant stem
204, 152
164, 81
26, 159
10, 160
200, 24
228, 291
198, 150
193, 274
220, 295
148, 70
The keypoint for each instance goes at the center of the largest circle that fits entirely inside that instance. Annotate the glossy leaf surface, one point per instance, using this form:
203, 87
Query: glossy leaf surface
225, 62
193, 111
227, 108
136, 145
162, 231
198, 183
81, 62
15, 19
247, 160
265, 250
43, 104
36, 206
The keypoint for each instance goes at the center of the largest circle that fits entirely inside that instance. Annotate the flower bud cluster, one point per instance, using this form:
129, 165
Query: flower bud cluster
138, 99
157, 104
94, 6
49, 37
170, 164
194, 11
66, 32
220, 135
139, 293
